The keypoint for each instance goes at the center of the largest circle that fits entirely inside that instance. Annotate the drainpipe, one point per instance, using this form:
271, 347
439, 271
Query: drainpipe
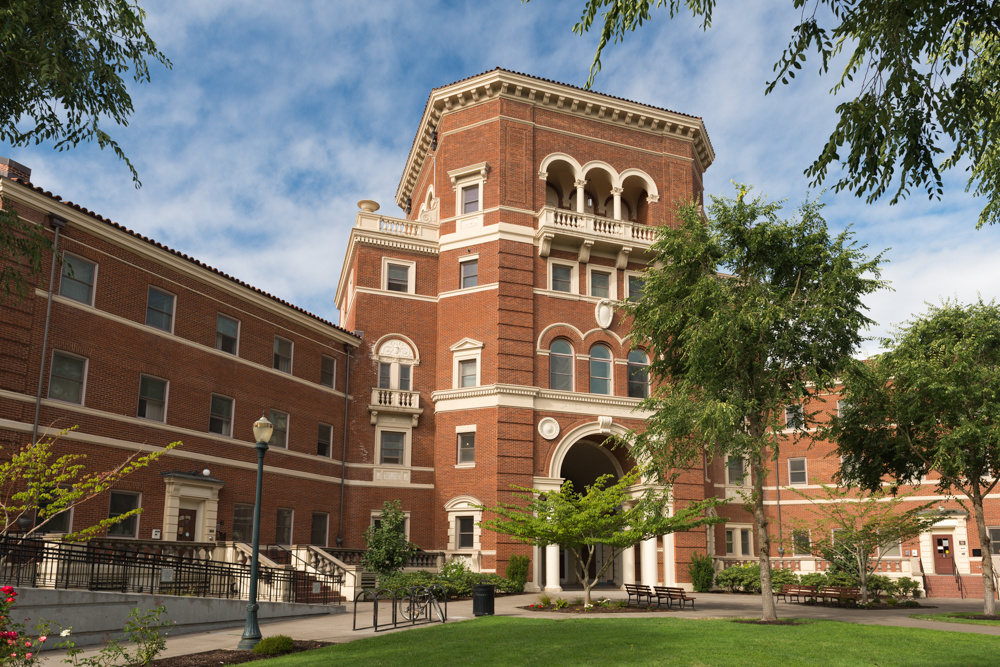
343, 451
57, 225
777, 490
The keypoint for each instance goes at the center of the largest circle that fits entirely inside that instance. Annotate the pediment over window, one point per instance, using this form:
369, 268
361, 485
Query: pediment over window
467, 344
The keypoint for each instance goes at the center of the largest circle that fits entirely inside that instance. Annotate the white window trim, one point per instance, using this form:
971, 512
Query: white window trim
232, 413
806, 470
93, 287
573, 359
86, 374
802, 414
288, 429
840, 407
411, 275
166, 398
462, 260
465, 350
459, 431
630, 274
746, 482
291, 527
395, 361
738, 541
291, 355
377, 514
612, 281
464, 506
574, 275
809, 535
329, 426
239, 329
334, 359
138, 517
612, 363
407, 445
326, 542
474, 174
173, 308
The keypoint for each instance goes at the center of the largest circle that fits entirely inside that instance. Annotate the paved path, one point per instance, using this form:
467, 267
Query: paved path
337, 628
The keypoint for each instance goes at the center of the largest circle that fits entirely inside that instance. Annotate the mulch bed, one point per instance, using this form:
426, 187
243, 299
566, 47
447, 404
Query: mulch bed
978, 617
578, 609
778, 622
230, 656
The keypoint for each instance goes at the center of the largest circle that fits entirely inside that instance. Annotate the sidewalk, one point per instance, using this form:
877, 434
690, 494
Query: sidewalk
337, 628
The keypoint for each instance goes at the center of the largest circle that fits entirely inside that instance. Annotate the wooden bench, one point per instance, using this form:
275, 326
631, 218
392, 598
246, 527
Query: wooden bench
840, 593
638, 591
798, 592
671, 595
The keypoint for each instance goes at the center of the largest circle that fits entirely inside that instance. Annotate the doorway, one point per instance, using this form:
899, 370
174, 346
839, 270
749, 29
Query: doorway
944, 562
186, 525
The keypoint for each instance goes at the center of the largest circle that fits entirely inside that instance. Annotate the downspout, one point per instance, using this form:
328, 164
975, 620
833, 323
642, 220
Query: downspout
56, 224
343, 451
777, 490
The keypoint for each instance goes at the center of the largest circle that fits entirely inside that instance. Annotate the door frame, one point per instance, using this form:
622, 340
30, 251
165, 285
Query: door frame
951, 551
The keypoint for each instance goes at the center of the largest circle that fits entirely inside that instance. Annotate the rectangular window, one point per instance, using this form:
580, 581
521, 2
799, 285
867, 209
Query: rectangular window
994, 540
467, 373
745, 542
66, 381
221, 419
320, 522
466, 447
384, 376
466, 532
470, 273
729, 543
243, 523
160, 309
227, 333
793, 416
635, 287
283, 527
404, 377
279, 437
152, 398
841, 407
734, 471
892, 551
398, 278
797, 471
562, 278
324, 439
123, 503
470, 199
59, 523
328, 371
282, 355
800, 543
600, 284
392, 448
77, 280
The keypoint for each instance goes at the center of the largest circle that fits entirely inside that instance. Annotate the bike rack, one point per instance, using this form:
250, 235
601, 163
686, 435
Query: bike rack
414, 605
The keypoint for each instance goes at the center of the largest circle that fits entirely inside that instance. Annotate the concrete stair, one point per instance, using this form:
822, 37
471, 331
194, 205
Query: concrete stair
945, 586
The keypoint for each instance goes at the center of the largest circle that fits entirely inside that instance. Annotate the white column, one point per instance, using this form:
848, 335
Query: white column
669, 567
536, 571
552, 568
580, 203
649, 566
628, 566
617, 192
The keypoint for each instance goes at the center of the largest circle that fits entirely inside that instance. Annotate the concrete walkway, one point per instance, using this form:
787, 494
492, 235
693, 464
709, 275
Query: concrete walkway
337, 628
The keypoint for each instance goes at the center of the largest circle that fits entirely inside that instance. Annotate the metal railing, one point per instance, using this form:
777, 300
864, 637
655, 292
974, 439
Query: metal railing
957, 575
86, 566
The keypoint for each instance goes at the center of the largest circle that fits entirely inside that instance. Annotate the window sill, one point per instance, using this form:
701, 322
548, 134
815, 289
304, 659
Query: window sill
465, 465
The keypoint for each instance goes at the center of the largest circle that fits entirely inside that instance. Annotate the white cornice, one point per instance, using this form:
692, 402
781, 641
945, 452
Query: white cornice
361, 236
535, 398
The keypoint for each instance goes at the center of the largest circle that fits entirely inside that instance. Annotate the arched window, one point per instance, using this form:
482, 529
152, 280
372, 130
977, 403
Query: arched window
638, 377
561, 366
395, 365
600, 370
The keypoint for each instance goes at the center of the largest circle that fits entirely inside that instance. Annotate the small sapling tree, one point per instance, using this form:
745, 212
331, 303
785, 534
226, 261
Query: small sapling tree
388, 548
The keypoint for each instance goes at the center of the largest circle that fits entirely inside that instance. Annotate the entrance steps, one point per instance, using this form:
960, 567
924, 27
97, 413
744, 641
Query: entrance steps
945, 586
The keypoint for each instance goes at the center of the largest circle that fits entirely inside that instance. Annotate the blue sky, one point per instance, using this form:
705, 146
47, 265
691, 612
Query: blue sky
277, 117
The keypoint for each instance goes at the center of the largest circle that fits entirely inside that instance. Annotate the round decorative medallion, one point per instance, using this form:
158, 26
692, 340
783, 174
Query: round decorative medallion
548, 428
604, 313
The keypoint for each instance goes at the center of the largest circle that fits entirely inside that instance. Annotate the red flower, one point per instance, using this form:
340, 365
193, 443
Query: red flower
7, 589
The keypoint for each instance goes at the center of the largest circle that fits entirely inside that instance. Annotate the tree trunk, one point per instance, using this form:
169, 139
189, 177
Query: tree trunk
768, 611
989, 604
863, 576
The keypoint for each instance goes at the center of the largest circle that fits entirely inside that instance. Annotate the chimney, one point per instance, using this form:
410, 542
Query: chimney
11, 169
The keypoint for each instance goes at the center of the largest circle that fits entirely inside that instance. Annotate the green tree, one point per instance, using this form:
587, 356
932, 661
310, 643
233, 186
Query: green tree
61, 68
929, 405
729, 352
925, 76
388, 548
614, 516
856, 531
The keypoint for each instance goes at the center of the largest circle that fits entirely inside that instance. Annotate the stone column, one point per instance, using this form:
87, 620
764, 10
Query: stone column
617, 192
669, 562
580, 196
628, 566
649, 566
552, 569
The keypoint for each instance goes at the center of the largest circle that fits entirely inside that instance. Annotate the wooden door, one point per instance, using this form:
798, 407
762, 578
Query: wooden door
186, 525
943, 563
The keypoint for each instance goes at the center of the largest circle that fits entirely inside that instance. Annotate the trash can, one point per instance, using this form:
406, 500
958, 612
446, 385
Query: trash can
483, 599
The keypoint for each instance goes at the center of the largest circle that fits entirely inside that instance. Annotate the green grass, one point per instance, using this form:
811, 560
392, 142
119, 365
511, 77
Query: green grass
654, 641
954, 618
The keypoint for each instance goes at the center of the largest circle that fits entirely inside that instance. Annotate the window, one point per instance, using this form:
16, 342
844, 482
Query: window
729, 543
404, 377
892, 551
377, 522
467, 373
994, 540
734, 471
392, 448
327, 371
59, 523
68, 377
600, 370
221, 419
561, 366
842, 407
77, 281
320, 524
227, 333
470, 273
800, 543
745, 549
466, 532
242, 523
635, 287
562, 278
797, 471
600, 284
638, 378
279, 437
793, 416
324, 439
384, 376
470, 199
282, 355
160, 310
739, 542
152, 398
398, 278
466, 448
283, 527
123, 503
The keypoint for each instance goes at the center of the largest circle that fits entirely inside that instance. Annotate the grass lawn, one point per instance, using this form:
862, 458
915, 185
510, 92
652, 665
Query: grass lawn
955, 618
655, 641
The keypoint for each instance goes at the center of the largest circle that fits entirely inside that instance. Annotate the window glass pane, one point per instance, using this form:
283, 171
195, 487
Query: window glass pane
797, 471
384, 375
729, 542
562, 278
467, 448
638, 382
159, 309
327, 372
793, 416
600, 284
221, 415
466, 532
121, 503
404, 377
283, 527
282, 355
994, 540
59, 523
319, 526
398, 278
66, 381
893, 551
635, 287
226, 332
800, 543
279, 437
152, 398
467, 373
77, 279
470, 273
745, 543
243, 523
735, 466
600, 370
323, 440
561, 366
470, 199
392, 447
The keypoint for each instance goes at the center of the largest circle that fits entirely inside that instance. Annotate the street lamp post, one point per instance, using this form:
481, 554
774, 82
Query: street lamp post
251, 632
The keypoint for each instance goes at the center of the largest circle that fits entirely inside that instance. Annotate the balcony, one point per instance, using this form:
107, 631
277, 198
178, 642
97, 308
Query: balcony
588, 231
395, 402
409, 229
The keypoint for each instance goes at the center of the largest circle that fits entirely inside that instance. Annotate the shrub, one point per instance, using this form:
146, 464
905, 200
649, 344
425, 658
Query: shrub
840, 578
907, 586
813, 579
879, 584
457, 583
517, 571
702, 572
388, 549
740, 578
781, 577
276, 645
